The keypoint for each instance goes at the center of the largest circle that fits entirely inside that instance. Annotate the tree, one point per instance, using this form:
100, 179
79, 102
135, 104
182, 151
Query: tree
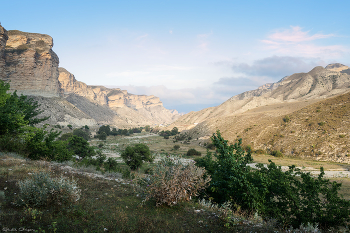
102, 136
80, 147
174, 131
134, 156
147, 128
104, 128
81, 133
16, 111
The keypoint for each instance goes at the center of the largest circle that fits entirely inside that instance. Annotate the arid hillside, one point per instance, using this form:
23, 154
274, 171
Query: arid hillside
318, 84
314, 123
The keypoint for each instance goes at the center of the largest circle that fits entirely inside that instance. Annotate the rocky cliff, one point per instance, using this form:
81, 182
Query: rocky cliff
133, 109
29, 63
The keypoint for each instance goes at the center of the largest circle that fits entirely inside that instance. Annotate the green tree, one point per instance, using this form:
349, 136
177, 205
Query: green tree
80, 147
147, 128
102, 136
41, 144
104, 128
134, 156
174, 131
16, 111
81, 133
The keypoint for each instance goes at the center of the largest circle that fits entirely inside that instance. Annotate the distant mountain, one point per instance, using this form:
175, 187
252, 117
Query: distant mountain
305, 114
319, 83
28, 62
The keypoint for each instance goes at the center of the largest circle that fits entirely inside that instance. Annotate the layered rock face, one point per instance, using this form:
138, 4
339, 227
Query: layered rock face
30, 64
3, 39
113, 98
134, 109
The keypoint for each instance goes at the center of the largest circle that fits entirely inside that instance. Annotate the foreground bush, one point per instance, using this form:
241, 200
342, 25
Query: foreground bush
172, 182
41, 144
292, 197
41, 190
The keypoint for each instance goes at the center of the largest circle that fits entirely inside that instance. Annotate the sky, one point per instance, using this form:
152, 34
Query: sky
191, 54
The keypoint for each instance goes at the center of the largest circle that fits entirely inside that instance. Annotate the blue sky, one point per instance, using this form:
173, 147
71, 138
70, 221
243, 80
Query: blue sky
191, 54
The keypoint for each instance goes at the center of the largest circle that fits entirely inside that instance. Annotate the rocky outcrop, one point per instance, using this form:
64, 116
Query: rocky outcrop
3, 39
134, 109
30, 64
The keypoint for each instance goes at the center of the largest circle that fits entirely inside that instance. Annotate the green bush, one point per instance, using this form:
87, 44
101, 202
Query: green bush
172, 182
193, 152
176, 147
134, 156
111, 164
80, 147
286, 119
292, 197
106, 129
66, 136
40, 144
277, 153
43, 191
82, 133
102, 136
70, 126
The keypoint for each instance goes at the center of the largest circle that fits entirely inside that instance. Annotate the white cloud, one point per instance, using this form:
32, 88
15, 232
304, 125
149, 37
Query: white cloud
295, 34
171, 31
296, 42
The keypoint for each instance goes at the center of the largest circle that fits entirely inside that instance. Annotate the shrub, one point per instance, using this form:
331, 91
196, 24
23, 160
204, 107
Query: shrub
106, 129
43, 191
211, 146
176, 147
321, 123
111, 164
136, 155
81, 133
277, 153
193, 152
286, 119
70, 126
342, 135
41, 144
80, 147
172, 182
260, 152
66, 136
291, 197
102, 136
